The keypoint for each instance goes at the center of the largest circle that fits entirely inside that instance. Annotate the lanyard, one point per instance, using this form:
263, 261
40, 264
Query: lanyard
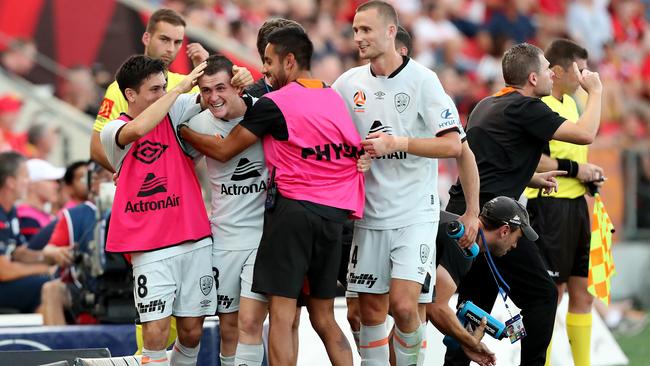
505, 290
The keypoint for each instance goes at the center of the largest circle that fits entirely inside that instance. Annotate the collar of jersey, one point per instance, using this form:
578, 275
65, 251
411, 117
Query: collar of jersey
405, 61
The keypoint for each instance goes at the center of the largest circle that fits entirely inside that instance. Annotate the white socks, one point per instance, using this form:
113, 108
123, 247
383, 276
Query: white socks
373, 345
249, 354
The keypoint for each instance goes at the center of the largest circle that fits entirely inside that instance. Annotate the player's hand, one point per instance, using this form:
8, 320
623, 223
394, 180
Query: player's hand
60, 256
197, 53
241, 77
471, 230
546, 181
481, 354
115, 178
588, 172
379, 144
364, 162
190, 80
589, 80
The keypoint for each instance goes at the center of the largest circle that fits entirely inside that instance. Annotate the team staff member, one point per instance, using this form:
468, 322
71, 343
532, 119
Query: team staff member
162, 40
238, 190
562, 218
311, 150
154, 216
400, 106
507, 133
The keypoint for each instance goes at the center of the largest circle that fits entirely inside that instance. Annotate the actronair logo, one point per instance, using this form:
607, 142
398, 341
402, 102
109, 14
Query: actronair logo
152, 185
378, 127
246, 169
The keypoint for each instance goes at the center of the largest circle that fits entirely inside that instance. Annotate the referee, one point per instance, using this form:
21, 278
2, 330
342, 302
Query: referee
507, 133
562, 218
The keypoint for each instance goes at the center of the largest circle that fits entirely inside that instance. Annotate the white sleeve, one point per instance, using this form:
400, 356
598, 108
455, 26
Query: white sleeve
114, 152
456, 116
184, 108
434, 106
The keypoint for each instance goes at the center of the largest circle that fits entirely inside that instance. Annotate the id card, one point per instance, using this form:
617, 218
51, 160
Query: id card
515, 329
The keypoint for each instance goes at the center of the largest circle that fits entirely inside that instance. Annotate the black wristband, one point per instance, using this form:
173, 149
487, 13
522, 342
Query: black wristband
569, 166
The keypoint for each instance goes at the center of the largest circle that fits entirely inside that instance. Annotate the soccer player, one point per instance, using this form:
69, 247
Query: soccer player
238, 190
402, 109
562, 218
154, 216
507, 133
162, 40
311, 149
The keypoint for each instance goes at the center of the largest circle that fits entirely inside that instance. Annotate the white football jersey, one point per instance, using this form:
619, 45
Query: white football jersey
401, 189
238, 189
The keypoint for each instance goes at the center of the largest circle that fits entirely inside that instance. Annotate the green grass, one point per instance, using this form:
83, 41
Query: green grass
636, 348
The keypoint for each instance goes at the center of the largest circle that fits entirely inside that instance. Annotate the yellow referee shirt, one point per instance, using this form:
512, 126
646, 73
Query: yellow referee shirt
114, 102
568, 187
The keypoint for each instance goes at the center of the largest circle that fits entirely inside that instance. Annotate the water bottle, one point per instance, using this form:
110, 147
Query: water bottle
456, 230
470, 313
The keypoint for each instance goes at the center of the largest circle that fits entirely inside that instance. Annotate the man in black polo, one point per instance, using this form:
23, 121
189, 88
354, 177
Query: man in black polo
507, 133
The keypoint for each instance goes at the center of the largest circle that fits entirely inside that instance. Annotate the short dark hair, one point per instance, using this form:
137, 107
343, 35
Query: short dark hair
35, 132
386, 10
216, 63
164, 15
135, 70
268, 27
9, 163
68, 177
293, 40
403, 39
563, 52
518, 62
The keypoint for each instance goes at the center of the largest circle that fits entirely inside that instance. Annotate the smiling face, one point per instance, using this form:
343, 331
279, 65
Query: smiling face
373, 34
222, 99
164, 42
274, 68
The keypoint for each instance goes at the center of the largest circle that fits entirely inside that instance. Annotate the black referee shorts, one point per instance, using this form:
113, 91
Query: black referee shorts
299, 253
564, 235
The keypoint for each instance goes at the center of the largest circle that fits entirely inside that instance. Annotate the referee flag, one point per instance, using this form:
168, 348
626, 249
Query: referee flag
601, 262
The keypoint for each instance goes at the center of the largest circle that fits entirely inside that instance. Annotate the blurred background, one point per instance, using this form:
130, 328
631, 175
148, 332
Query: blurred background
58, 56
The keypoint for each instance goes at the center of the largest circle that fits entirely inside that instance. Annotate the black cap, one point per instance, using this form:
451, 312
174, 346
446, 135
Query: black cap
506, 210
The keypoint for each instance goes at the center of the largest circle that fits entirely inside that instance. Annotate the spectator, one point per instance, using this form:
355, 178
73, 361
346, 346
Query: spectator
19, 58
10, 107
589, 24
511, 22
62, 294
80, 90
41, 139
75, 184
35, 211
20, 283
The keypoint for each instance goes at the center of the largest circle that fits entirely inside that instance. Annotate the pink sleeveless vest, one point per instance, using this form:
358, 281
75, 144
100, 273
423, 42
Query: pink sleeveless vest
318, 163
158, 201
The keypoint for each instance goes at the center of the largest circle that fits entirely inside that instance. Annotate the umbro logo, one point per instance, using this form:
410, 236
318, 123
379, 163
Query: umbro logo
246, 170
378, 127
152, 185
148, 152
380, 95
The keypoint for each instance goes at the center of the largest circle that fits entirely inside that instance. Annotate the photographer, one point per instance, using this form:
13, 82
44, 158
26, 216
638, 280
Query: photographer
70, 243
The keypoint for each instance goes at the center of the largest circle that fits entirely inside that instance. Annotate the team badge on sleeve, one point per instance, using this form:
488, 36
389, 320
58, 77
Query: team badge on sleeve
106, 108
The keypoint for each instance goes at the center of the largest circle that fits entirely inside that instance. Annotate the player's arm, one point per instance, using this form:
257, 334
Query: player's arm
446, 145
443, 316
583, 131
10, 271
470, 180
217, 147
585, 172
97, 153
112, 105
150, 117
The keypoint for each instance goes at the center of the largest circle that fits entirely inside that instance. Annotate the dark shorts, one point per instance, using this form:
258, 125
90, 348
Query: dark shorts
300, 251
564, 235
23, 294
